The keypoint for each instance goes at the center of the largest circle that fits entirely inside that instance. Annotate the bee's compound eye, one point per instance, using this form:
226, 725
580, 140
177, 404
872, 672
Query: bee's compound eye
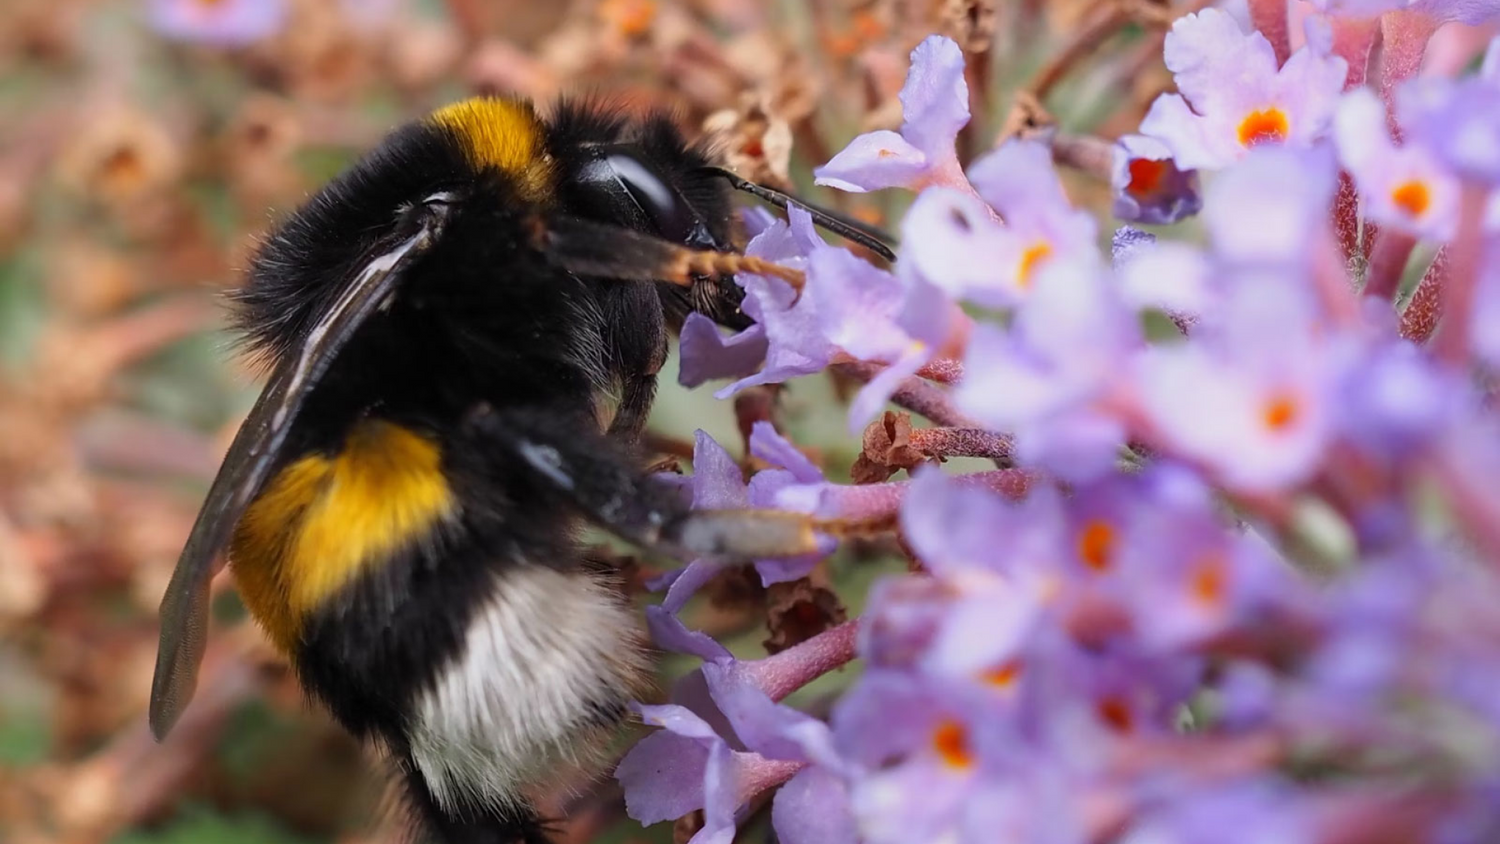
650, 192
618, 185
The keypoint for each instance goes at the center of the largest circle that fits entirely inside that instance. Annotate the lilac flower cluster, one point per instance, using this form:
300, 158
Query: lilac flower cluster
1242, 582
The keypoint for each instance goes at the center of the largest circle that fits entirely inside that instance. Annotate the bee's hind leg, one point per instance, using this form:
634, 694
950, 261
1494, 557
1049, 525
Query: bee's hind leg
569, 462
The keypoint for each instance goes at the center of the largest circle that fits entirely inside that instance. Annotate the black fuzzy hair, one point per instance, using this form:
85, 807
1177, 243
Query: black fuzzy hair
300, 270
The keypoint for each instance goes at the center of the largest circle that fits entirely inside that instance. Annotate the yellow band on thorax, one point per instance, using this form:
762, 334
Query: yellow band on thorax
504, 134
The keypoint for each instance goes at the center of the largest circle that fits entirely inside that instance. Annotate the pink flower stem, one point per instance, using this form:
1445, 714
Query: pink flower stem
781, 674
1085, 153
914, 394
755, 774
1331, 281
963, 442
1353, 38
1405, 36
1426, 305
1270, 17
950, 174
943, 371
1464, 254
869, 503
1388, 260
1346, 216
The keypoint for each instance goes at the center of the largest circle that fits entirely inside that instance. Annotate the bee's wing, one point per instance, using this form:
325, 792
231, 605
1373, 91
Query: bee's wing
184, 608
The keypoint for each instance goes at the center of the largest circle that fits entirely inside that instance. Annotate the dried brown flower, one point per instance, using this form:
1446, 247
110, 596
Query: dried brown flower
799, 610
119, 156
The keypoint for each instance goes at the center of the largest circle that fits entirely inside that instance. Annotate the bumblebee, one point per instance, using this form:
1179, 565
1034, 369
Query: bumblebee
462, 334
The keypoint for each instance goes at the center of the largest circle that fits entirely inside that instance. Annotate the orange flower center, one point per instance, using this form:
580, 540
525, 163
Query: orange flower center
1116, 713
1034, 254
1280, 413
1413, 197
1210, 581
952, 744
1096, 544
1268, 126
1004, 676
1145, 175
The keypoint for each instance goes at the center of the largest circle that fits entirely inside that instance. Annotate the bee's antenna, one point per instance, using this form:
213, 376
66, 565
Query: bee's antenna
844, 226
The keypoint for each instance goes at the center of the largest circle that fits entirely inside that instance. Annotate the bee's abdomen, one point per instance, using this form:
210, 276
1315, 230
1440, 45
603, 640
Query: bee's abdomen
490, 684
323, 520
549, 661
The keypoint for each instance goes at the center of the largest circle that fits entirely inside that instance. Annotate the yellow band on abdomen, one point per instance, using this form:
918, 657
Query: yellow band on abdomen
321, 521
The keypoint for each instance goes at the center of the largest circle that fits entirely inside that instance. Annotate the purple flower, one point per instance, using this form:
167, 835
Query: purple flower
1248, 397
812, 808
922, 749
1124, 643
1359, 8
1396, 401
1457, 120
708, 355
1041, 379
1248, 812
848, 307
1485, 328
1200, 577
219, 23
951, 527
692, 765
934, 106
952, 240
1019, 182
874, 315
1170, 276
1233, 96
718, 483
1148, 185
1471, 12
1286, 193
786, 324
1401, 186
765, 491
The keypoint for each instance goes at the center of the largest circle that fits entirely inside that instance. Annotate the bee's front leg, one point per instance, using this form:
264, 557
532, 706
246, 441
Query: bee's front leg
578, 467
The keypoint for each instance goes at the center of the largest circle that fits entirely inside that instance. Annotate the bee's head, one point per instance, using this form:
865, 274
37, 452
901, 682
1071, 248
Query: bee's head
640, 174
582, 161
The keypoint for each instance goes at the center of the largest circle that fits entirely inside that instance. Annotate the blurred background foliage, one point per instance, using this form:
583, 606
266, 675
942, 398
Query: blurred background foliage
146, 146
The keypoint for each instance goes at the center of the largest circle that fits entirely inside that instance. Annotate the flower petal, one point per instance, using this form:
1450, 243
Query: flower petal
813, 808
662, 776
935, 98
873, 161
706, 354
